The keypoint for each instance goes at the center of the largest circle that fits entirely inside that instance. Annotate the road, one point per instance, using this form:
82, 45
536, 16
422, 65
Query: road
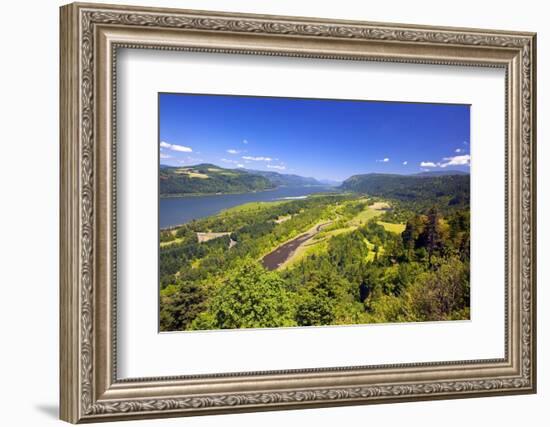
274, 259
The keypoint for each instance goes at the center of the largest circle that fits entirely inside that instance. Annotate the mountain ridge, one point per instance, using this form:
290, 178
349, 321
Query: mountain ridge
279, 178
442, 173
207, 178
446, 189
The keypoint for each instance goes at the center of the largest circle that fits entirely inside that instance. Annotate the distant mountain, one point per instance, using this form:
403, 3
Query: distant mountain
453, 189
279, 179
441, 173
209, 179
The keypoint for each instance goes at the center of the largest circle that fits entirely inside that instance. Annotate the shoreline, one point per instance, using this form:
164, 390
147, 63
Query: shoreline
282, 253
329, 189
173, 227
186, 195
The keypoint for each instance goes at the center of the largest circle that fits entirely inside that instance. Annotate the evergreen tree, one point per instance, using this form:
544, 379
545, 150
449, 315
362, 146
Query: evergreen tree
180, 304
432, 235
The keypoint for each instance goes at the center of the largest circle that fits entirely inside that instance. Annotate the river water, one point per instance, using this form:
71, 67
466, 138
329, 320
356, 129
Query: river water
180, 210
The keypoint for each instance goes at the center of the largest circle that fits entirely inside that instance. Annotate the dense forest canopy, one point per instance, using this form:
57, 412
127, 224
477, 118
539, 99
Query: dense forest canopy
388, 249
277, 178
451, 188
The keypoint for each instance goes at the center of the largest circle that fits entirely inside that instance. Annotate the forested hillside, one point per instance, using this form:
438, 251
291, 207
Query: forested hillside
209, 179
423, 190
277, 178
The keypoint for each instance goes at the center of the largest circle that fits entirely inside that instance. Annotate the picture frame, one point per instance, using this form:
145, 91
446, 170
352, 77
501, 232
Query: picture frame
91, 35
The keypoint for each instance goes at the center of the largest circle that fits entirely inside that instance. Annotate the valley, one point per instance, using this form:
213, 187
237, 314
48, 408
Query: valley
374, 249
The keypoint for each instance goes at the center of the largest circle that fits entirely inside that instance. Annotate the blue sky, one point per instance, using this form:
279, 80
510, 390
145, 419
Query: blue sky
324, 139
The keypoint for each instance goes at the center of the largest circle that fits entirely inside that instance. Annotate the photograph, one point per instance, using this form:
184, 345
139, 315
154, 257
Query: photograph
292, 212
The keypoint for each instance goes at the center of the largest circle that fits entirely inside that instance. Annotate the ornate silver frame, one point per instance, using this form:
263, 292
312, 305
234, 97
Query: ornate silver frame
90, 36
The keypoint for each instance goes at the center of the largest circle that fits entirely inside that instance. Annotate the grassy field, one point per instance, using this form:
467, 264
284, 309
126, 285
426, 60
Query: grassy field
250, 207
364, 216
394, 228
319, 243
191, 174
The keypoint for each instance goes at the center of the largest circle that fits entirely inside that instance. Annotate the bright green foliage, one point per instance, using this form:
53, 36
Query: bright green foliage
251, 298
321, 298
166, 236
354, 271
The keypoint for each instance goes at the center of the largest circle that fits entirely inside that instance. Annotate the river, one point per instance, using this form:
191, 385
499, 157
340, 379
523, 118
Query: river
279, 256
180, 210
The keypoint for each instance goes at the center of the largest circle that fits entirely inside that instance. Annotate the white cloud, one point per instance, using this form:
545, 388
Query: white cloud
181, 148
232, 151
459, 150
245, 141
240, 165
465, 142
279, 167
428, 164
258, 158
229, 161
176, 147
463, 160
165, 156
405, 163
384, 160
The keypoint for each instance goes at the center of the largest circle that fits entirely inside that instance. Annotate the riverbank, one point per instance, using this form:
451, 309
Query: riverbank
185, 195
280, 255
177, 211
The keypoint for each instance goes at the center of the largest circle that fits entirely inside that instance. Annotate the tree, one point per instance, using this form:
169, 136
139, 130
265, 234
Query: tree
410, 236
166, 236
431, 235
250, 298
180, 304
324, 298
436, 295
459, 234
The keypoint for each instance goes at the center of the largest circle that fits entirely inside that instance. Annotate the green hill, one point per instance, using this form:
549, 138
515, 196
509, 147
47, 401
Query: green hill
285, 179
441, 173
445, 190
209, 179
